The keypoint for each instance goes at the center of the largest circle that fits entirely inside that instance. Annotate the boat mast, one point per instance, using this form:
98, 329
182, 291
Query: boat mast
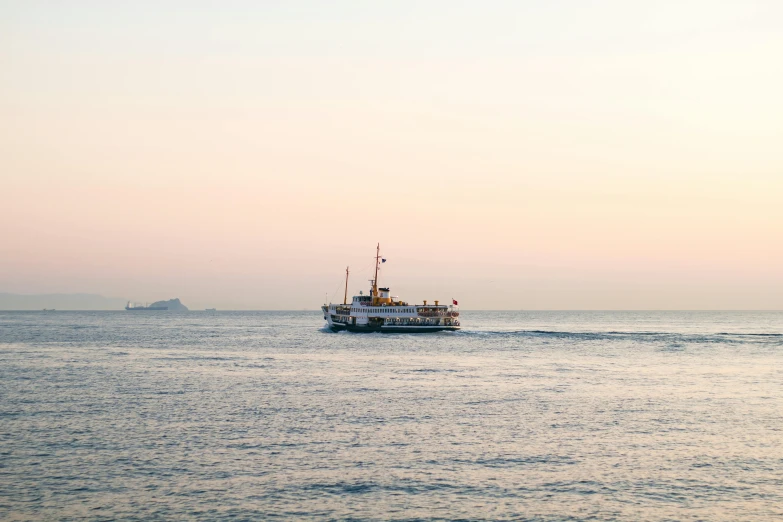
345, 298
377, 263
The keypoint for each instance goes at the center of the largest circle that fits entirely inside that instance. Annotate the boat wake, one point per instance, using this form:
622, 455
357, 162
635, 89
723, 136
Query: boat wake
642, 336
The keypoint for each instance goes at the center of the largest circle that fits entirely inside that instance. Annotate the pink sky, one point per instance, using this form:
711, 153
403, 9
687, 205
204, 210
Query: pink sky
243, 160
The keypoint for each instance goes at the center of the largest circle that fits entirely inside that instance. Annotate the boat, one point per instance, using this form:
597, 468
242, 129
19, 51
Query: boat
133, 307
382, 312
211, 310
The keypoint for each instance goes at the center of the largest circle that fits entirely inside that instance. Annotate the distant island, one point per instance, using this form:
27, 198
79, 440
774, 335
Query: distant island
173, 305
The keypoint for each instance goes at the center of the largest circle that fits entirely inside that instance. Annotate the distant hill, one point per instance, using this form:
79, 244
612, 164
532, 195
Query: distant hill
59, 302
174, 305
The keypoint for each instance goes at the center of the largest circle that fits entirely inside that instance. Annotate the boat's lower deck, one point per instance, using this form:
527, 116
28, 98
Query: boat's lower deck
336, 327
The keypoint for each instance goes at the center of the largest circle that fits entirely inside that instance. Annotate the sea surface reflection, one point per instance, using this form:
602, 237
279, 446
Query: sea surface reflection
254, 415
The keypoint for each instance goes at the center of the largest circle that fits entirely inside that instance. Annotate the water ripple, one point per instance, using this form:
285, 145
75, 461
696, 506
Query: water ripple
521, 416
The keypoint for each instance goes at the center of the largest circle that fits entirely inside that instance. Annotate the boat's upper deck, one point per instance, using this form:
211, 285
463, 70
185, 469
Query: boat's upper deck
363, 305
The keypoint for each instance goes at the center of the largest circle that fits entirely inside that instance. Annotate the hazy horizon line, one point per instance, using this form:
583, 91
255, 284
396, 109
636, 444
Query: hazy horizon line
461, 310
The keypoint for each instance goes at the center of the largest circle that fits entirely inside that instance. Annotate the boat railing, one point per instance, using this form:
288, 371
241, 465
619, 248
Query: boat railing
439, 314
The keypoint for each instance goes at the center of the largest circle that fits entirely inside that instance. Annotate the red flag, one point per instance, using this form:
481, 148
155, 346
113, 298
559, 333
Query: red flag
454, 301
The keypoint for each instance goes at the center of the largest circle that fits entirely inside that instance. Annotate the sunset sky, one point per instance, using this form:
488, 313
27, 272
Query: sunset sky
513, 155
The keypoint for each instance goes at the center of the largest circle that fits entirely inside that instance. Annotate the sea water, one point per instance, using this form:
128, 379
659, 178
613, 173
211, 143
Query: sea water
521, 415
